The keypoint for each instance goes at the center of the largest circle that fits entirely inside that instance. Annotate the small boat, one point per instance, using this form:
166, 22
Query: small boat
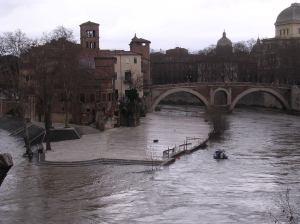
220, 154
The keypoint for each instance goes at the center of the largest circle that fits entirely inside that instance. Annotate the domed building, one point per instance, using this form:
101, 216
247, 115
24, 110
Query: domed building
287, 24
224, 45
278, 58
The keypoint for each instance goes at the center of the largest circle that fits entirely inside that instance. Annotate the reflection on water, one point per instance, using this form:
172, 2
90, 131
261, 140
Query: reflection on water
264, 159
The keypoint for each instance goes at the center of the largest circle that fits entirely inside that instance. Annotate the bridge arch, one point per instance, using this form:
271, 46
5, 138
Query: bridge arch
219, 91
176, 90
274, 93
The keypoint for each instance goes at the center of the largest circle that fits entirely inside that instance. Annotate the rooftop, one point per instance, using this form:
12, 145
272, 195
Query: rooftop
135, 39
89, 23
289, 15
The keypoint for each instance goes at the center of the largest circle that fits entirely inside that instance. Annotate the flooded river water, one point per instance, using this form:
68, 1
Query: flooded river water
264, 159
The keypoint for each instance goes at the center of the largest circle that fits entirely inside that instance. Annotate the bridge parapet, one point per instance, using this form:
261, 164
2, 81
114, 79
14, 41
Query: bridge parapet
221, 84
206, 92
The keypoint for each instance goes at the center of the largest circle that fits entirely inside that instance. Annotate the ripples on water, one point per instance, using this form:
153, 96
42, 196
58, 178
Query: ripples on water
264, 159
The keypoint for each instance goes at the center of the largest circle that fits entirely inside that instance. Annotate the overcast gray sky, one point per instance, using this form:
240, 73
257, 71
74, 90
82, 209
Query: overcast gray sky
193, 24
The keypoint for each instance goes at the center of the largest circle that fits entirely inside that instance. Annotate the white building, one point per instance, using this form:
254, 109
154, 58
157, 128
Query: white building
128, 70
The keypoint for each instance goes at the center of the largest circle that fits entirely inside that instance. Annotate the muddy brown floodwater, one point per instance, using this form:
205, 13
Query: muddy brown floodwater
264, 159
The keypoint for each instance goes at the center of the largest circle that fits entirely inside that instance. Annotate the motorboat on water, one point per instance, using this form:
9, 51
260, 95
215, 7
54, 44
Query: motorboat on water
220, 154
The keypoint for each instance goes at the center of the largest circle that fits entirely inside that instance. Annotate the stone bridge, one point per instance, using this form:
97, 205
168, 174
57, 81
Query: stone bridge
233, 92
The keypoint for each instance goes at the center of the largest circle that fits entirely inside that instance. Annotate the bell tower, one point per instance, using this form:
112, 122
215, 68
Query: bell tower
89, 35
142, 46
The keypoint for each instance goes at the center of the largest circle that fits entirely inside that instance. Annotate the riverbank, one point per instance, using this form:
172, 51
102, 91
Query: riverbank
127, 145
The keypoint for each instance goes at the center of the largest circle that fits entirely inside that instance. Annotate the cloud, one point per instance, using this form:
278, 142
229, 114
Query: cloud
193, 24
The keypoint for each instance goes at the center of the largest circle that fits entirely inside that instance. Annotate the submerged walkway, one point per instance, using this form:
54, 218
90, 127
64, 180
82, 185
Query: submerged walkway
93, 146
142, 144
110, 146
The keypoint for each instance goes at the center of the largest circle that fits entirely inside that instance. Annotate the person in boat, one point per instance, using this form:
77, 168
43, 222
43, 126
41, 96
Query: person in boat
220, 154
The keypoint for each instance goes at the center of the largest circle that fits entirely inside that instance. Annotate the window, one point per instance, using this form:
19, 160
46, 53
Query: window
280, 31
90, 33
103, 97
128, 76
82, 98
92, 45
62, 96
97, 83
299, 30
135, 60
91, 63
116, 94
287, 31
92, 98
98, 96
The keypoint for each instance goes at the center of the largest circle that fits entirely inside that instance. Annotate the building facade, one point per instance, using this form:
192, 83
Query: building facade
273, 60
278, 58
78, 78
128, 72
222, 64
87, 82
287, 24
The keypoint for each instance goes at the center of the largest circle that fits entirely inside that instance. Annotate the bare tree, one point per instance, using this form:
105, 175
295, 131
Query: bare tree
9, 77
68, 65
2, 45
42, 69
211, 50
12, 46
56, 34
14, 43
62, 32
56, 71
243, 47
70, 74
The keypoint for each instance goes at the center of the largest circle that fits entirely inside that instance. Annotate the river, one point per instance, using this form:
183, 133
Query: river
264, 160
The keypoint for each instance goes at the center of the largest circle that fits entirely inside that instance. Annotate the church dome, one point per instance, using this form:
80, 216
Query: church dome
224, 41
289, 15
